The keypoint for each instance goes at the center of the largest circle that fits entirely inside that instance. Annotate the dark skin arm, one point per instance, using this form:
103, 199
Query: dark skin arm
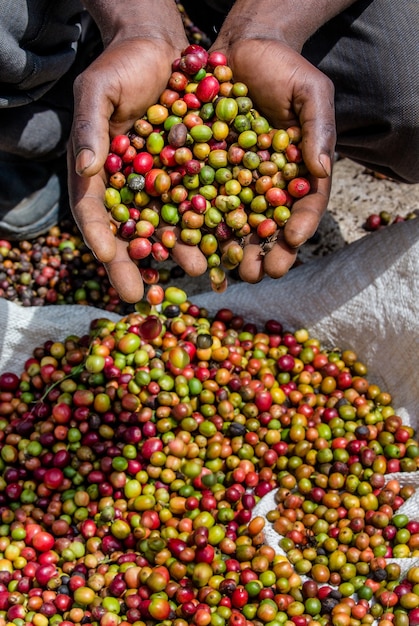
140, 44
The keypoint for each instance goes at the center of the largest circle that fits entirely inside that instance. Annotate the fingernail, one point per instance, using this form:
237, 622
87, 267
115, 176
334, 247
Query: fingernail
84, 160
324, 160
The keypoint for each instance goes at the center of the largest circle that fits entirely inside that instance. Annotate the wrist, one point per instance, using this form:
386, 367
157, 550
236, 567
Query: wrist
137, 19
282, 20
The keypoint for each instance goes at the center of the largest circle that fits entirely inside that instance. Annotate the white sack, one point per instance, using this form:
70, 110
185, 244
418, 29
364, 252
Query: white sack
23, 329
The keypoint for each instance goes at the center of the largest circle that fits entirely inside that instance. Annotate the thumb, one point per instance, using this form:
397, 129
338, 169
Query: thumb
90, 132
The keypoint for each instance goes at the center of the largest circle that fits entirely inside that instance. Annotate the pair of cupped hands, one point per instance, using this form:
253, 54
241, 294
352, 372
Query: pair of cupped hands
129, 76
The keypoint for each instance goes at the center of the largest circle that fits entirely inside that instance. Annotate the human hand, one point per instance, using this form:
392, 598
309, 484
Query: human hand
113, 92
289, 91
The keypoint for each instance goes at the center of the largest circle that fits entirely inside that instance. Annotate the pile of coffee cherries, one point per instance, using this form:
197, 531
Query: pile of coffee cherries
55, 268
131, 459
58, 268
205, 162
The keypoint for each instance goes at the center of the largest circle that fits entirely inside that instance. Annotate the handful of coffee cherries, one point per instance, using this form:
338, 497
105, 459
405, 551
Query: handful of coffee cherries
204, 161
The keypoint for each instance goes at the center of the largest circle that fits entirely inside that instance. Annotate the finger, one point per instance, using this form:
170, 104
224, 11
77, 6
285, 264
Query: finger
307, 212
93, 221
251, 268
314, 104
279, 259
86, 201
90, 132
305, 217
188, 257
124, 274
